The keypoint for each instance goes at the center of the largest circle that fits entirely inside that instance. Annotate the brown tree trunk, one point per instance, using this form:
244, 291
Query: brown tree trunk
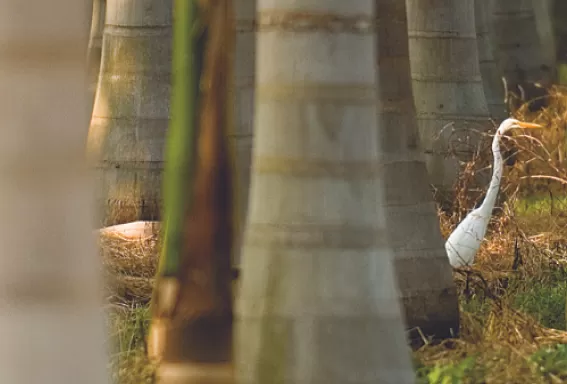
427, 289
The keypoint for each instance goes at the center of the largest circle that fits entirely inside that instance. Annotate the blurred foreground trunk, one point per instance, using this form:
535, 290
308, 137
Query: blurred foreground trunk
51, 323
191, 333
317, 299
241, 138
95, 47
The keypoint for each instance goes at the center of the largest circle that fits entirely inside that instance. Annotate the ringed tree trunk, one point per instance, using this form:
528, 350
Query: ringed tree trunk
131, 110
52, 326
95, 45
560, 26
491, 78
191, 334
318, 300
245, 68
543, 12
447, 87
427, 289
519, 50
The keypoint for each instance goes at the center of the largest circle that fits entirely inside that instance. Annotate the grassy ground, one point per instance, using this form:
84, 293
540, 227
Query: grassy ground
512, 326
129, 363
513, 318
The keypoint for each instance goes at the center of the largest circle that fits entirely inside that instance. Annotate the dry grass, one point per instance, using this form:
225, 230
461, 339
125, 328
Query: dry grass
130, 264
515, 307
518, 281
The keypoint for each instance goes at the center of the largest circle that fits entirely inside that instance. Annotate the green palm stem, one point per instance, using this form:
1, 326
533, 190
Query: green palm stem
192, 303
187, 58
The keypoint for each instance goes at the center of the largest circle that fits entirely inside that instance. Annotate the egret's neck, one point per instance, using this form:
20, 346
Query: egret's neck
490, 199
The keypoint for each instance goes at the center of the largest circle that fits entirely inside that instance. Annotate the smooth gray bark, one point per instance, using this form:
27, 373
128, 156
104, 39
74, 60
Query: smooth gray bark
51, 322
447, 85
318, 301
427, 290
519, 50
131, 111
491, 77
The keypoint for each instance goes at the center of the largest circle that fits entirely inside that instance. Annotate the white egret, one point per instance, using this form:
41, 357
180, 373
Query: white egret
464, 242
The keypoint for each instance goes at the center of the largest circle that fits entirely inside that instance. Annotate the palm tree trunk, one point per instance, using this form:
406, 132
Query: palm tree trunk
560, 25
318, 300
491, 78
245, 68
95, 46
519, 51
131, 110
50, 287
426, 282
447, 86
543, 12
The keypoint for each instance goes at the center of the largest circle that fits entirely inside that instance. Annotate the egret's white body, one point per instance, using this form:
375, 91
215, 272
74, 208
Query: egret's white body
464, 242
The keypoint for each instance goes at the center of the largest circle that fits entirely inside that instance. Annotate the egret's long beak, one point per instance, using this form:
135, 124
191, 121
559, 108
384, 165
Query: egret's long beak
528, 125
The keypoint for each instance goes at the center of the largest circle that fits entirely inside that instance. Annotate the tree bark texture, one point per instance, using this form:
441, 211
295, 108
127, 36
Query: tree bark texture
560, 26
427, 290
447, 85
519, 51
491, 77
559, 11
543, 12
131, 110
95, 46
318, 301
51, 322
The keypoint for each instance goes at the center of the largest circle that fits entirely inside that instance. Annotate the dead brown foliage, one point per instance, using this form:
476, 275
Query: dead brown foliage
526, 247
130, 264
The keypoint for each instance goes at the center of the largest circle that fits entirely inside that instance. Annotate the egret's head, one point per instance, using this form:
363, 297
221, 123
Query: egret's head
509, 124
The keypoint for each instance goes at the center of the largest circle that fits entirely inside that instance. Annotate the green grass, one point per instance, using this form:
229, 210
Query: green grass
540, 204
550, 363
543, 299
129, 364
545, 302
467, 370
